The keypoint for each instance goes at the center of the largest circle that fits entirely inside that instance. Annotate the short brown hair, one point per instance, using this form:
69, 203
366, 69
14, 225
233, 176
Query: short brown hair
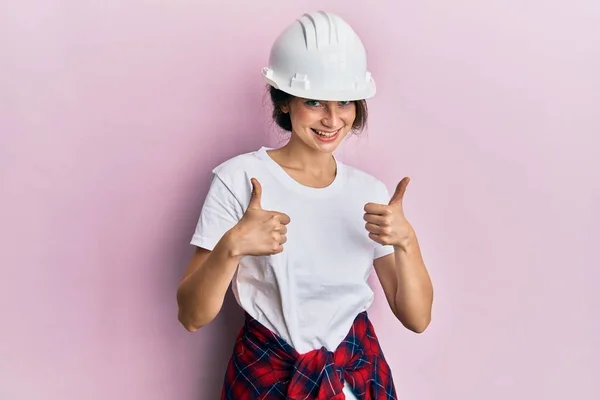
280, 98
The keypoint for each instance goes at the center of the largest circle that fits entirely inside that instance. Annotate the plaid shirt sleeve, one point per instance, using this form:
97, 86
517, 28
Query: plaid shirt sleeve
263, 366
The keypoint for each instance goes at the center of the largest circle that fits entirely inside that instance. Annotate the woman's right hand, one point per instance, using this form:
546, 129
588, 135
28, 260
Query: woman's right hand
259, 232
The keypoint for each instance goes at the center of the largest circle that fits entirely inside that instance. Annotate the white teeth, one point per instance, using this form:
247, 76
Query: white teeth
326, 134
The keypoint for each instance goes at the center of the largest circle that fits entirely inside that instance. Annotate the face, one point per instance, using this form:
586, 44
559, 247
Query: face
321, 125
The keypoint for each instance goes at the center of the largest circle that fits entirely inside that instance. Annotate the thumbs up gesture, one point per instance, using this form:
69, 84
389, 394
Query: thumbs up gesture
387, 224
260, 232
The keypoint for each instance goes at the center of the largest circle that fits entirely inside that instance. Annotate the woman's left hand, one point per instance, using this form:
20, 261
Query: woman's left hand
387, 224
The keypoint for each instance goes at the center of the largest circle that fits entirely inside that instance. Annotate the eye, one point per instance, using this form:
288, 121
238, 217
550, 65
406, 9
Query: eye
312, 103
345, 103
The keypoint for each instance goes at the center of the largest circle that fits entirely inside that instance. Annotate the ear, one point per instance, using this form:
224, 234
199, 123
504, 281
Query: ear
285, 108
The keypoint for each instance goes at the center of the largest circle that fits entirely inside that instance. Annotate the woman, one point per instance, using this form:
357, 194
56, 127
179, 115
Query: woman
297, 233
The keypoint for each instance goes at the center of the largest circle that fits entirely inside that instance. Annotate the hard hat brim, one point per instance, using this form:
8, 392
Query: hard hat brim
323, 94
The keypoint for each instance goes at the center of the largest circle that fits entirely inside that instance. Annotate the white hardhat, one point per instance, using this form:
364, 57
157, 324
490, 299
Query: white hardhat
320, 57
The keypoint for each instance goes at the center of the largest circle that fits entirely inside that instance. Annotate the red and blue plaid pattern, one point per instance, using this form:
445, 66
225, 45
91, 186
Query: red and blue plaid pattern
264, 367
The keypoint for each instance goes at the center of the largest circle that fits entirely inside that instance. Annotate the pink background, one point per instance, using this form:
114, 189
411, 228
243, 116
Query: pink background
112, 114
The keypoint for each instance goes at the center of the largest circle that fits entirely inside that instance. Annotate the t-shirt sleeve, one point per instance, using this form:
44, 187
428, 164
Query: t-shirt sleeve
383, 197
220, 212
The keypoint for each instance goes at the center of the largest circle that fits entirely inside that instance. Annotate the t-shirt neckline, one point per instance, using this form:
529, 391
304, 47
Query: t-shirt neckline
289, 182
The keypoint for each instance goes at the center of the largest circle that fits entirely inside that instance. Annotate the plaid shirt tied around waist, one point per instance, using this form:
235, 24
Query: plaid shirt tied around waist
264, 367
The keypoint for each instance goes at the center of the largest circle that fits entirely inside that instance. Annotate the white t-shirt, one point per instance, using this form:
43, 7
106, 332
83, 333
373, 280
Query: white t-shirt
310, 293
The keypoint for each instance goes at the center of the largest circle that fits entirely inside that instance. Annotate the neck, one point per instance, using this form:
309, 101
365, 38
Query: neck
302, 157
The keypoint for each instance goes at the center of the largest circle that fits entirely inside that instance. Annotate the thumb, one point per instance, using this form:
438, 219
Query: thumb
256, 194
400, 190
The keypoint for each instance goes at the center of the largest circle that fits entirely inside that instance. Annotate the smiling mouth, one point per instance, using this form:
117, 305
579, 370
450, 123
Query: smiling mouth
326, 134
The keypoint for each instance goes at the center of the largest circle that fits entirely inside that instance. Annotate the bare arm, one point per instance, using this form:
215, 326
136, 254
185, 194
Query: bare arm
203, 287
205, 282
403, 274
407, 285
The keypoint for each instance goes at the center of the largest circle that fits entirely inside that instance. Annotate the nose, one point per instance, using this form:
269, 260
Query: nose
331, 117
